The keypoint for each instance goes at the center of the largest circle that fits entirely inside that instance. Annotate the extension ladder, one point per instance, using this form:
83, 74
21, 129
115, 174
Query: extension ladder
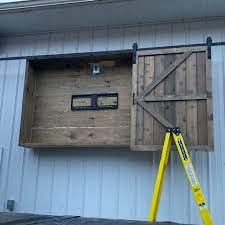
175, 134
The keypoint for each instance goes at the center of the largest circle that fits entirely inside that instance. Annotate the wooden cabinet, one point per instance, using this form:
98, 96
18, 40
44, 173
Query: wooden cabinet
167, 88
47, 118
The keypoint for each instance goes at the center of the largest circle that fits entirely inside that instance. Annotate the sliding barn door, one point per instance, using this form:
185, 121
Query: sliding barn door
172, 88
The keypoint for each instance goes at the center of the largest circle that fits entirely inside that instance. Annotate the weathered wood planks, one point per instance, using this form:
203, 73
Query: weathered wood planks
47, 113
178, 94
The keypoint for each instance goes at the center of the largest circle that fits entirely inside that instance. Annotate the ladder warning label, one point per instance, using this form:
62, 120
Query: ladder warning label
182, 150
191, 175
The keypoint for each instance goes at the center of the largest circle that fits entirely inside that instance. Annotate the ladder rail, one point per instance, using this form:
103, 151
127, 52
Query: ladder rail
160, 178
175, 134
193, 180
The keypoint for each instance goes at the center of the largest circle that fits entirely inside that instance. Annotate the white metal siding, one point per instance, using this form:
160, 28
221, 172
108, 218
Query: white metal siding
106, 182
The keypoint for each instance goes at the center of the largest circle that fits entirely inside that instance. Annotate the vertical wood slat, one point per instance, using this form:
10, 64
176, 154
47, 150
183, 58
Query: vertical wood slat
181, 114
192, 131
209, 103
201, 104
133, 122
169, 89
140, 111
148, 119
159, 107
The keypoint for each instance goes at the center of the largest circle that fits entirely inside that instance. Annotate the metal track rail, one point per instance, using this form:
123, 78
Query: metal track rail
130, 52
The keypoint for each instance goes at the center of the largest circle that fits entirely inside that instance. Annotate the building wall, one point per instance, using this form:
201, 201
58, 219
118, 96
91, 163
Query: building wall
109, 183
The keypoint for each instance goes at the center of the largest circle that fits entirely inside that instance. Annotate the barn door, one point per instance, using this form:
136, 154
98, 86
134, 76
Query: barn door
172, 88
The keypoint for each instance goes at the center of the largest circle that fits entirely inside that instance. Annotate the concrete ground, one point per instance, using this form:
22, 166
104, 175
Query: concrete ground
31, 219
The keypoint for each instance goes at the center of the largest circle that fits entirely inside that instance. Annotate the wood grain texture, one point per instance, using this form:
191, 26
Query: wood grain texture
169, 89
202, 105
28, 104
148, 119
192, 130
181, 106
164, 73
82, 136
133, 122
175, 94
53, 122
159, 130
140, 111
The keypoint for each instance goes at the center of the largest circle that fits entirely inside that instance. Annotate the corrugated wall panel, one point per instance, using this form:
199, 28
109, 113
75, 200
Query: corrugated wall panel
98, 182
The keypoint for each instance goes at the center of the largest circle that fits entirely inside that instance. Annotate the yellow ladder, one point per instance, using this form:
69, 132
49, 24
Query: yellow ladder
175, 134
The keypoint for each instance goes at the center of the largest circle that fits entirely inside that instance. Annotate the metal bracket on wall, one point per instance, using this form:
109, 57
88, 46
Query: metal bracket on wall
94, 101
135, 48
209, 44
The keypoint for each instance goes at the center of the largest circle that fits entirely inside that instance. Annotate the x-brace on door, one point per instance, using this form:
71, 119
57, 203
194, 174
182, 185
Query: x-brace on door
172, 88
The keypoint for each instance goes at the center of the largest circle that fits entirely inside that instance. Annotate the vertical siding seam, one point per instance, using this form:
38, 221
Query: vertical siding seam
69, 162
117, 187
216, 97
100, 188
203, 31
207, 5
188, 33
48, 42
63, 42
223, 80
52, 186
123, 38
23, 149
22, 178
33, 48
6, 44
222, 130
84, 186
135, 191
218, 133
92, 39
205, 34
138, 34
1, 111
11, 135
78, 41
170, 35
220, 115
208, 183
107, 41
194, 8
36, 181
3, 91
